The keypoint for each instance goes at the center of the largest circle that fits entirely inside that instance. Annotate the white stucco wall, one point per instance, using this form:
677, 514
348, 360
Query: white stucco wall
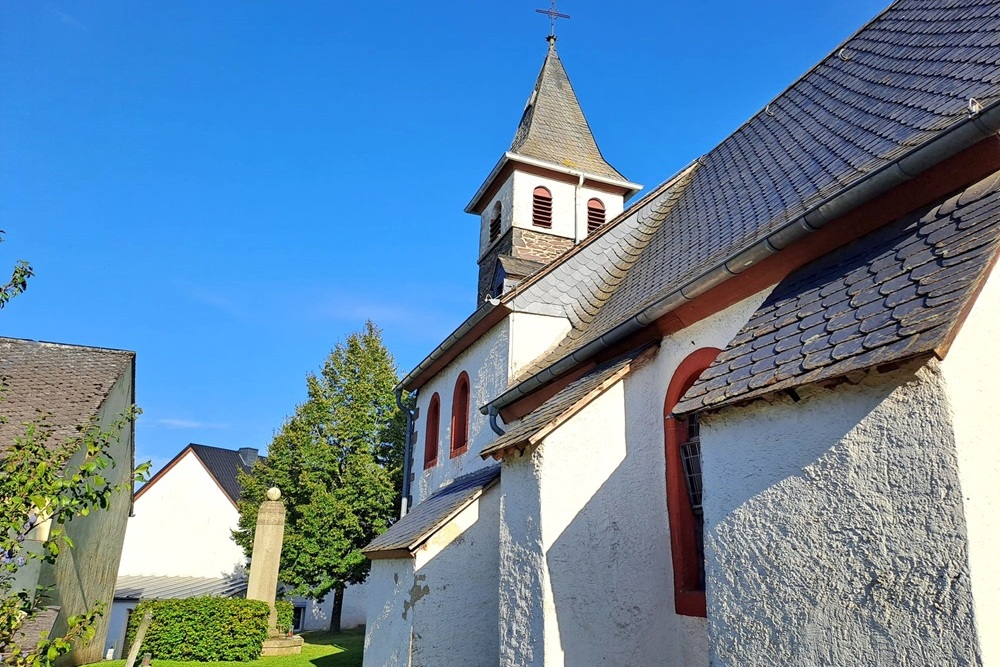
184, 512
971, 369
453, 601
531, 335
487, 362
834, 528
586, 574
388, 631
515, 197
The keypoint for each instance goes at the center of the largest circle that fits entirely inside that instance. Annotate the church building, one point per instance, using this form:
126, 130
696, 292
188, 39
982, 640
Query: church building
744, 420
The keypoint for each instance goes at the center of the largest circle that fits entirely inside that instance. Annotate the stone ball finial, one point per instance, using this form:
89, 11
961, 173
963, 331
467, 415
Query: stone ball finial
273, 493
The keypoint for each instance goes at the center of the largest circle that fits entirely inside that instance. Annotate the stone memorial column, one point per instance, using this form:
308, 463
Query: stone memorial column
264, 562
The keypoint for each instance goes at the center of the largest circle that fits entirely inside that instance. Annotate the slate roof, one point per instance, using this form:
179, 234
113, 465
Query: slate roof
66, 383
407, 534
517, 267
223, 465
132, 587
31, 632
896, 84
894, 294
567, 402
553, 128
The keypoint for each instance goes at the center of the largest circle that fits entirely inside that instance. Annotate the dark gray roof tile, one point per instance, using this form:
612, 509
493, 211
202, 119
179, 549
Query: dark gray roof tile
897, 317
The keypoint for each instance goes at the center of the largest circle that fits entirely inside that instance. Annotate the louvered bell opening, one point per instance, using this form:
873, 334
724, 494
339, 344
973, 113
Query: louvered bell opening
495, 223
541, 208
595, 215
691, 460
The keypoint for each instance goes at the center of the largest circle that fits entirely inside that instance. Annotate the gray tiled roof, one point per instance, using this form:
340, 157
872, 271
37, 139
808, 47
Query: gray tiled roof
899, 82
31, 632
553, 128
422, 521
223, 465
68, 383
518, 267
564, 404
140, 587
891, 295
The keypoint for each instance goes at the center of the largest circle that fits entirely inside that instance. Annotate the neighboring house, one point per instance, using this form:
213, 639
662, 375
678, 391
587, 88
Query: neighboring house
67, 386
179, 541
748, 420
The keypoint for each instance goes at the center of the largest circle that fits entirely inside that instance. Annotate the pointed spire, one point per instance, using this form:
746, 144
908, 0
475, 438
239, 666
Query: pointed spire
553, 127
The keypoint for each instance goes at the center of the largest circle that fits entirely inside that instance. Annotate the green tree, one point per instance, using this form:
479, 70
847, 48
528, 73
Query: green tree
38, 487
338, 462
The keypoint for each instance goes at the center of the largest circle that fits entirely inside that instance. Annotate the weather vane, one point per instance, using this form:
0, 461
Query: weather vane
553, 16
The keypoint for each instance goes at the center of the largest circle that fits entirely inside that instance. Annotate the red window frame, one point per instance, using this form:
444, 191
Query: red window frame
433, 432
541, 208
689, 596
460, 416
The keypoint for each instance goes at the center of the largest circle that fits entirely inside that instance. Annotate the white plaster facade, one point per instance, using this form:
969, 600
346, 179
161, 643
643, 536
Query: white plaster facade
185, 512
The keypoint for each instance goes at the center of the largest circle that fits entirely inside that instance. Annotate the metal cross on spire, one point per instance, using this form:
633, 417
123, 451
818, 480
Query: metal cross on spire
553, 16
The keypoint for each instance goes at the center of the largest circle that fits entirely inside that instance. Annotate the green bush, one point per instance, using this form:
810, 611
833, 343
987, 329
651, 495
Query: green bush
203, 629
285, 616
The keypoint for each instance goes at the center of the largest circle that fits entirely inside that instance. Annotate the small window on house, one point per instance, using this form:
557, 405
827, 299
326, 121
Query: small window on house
433, 430
298, 617
495, 222
682, 450
595, 215
541, 208
460, 416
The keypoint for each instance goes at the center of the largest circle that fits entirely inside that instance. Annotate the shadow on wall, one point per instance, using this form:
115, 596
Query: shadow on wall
835, 528
610, 568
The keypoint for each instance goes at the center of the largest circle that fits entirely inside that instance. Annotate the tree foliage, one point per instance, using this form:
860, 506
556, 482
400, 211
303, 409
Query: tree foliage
338, 462
39, 487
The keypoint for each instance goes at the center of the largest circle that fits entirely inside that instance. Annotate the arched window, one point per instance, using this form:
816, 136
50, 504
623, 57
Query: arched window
433, 431
460, 416
541, 208
595, 215
683, 457
495, 222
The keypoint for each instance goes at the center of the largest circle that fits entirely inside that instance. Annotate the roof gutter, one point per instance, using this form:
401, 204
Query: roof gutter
948, 143
628, 186
488, 306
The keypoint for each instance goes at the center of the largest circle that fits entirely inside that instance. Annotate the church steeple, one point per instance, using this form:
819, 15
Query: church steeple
553, 127
550, 190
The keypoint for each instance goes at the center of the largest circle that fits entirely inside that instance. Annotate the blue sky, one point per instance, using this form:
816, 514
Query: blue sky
230, 187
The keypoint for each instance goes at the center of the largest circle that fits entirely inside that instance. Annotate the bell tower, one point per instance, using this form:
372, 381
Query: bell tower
549, 190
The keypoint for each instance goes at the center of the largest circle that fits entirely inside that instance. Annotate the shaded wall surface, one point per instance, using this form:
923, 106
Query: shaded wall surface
834, 528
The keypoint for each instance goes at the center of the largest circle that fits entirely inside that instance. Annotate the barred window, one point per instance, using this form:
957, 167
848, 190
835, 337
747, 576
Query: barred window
595, 215
495, 222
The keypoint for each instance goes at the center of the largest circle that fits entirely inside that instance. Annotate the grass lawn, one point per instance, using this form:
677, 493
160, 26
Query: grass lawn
321, 649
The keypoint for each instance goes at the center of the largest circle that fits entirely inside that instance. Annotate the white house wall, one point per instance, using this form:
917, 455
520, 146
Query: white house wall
486, 362
834, 528
388, 632
971, 370
188, 505
587, 575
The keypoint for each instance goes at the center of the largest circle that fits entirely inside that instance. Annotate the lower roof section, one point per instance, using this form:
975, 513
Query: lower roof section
895, 294
170, 588
409, 533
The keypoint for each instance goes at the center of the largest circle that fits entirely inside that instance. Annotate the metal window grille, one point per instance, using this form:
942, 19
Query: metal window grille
691, 460
541, 208
595, 215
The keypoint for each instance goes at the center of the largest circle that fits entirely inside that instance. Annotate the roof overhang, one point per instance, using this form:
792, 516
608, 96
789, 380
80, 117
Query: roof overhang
512, 159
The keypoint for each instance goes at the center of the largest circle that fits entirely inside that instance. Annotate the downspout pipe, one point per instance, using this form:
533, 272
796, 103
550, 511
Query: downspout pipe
576, 207
407, 451
948, 143
494, 424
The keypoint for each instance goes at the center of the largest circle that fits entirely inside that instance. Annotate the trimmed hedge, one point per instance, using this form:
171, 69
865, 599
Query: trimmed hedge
285, 615
204, 629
